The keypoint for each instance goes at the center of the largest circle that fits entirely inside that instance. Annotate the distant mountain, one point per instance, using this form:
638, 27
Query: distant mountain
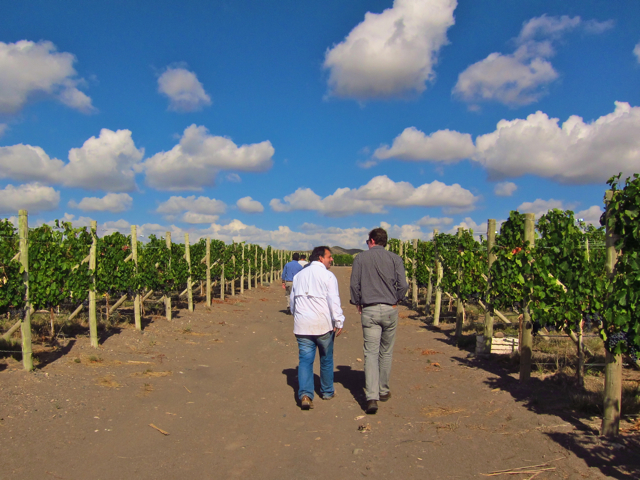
343, 251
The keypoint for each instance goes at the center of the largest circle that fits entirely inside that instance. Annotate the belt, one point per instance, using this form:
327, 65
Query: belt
374, 304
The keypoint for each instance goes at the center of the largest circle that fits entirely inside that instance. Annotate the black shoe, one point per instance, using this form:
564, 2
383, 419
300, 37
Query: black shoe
372, 406
384, 398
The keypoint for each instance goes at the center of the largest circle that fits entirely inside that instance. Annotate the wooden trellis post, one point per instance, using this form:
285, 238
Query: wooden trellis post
222, 283
491, 257
459, 304
414, 281
271, 269
93, 321
248, 268
233, 280
262, 270
187, 255
438, 303
208, 260
526, 328
256, 268
136, 298
167, 298
242, 274
25, 327
613, 363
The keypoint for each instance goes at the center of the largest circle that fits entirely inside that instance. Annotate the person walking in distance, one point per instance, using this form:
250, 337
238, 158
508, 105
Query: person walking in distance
288, 272
317, 320
377, 284
303, 260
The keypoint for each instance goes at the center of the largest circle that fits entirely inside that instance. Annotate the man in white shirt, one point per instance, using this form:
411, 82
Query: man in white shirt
303, 260
317, 320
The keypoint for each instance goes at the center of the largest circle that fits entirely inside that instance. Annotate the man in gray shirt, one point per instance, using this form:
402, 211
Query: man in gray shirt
378, 283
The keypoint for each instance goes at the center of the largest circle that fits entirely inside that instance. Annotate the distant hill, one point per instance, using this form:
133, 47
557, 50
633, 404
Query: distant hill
343, 251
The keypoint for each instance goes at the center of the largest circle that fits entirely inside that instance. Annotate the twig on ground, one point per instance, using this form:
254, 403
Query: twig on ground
159, 429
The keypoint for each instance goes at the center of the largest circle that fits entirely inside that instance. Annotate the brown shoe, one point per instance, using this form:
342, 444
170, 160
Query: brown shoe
372, 407
384, 398
330, 398
306, 403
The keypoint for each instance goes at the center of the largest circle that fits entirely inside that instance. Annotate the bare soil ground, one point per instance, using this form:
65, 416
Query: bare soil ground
212, 395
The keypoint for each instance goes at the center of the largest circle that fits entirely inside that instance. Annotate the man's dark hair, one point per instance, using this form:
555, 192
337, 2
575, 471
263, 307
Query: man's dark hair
379, 236
296, 256
303, 257
317, 253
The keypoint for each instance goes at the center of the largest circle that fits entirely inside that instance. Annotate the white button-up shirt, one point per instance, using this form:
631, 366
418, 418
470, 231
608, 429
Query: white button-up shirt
315, 301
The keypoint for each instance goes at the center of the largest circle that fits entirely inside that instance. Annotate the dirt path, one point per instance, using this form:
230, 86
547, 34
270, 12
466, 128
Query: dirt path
222, 383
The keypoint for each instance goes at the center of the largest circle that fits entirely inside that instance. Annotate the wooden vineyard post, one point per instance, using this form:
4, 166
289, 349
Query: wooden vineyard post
459, 304
281, 266
93, 321
242, 274
136, 298
256, 269
167, 298
248, 268
613, 363
208, 261
222, 283
25, 326
438, 303
187, 256
414, 281
262, 270
233, 280
488, 318
271, 269
527, 327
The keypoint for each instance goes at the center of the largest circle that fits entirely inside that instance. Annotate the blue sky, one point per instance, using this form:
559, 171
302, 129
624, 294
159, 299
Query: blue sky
333, 117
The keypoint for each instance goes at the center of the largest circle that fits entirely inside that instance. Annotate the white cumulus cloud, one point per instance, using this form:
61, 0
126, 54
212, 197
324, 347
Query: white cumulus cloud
539, 206
505, 189
522, 77
574, 153
108, 162
191, 209
374, 197
636, 51
590, 215
392, 53
31, 196
440, 146
184, 90
28, 69
196, 160
428, 221
111, 202
249, 205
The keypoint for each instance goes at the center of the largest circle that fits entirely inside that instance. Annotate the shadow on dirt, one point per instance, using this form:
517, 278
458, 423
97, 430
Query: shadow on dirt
48, 357
352, 380
557, 395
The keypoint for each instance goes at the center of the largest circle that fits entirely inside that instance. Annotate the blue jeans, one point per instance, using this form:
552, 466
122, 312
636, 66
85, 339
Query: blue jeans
307, 345
379, 324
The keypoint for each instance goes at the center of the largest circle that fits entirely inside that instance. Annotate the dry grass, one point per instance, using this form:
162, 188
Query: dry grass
108, 382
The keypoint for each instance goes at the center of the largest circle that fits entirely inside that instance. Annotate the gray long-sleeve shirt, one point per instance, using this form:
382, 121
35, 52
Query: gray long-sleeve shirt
377, 277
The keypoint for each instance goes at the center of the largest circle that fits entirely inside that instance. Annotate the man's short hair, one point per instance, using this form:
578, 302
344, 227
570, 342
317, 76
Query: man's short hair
317, 253
296, 256
379, 236
303, 257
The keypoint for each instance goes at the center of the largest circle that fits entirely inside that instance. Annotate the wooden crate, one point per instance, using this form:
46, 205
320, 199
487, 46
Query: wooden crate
502, 346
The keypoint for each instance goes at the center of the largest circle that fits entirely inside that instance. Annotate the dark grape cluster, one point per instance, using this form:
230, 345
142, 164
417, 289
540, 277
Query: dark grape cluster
537, 326
591, 319
615, 338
